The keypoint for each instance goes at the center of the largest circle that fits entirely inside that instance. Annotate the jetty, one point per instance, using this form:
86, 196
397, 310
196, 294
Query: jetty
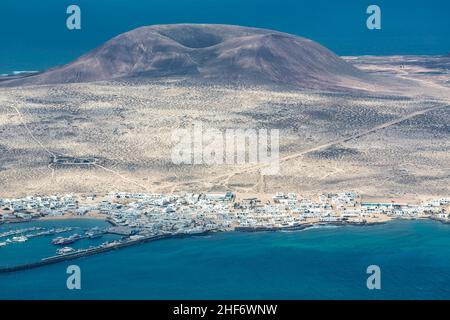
92, 251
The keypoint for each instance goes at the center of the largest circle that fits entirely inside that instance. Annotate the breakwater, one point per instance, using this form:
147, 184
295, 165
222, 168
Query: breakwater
89, 252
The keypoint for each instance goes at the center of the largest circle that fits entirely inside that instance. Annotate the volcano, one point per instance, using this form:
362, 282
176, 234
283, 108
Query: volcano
208, 52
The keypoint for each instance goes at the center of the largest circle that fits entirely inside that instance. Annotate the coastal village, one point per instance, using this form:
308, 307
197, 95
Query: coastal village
192, 213
138, 217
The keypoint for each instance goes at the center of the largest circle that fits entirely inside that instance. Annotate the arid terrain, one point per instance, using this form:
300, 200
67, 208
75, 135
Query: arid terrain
388, 143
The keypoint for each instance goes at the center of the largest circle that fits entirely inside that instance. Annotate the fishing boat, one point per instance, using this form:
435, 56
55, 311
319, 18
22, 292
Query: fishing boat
65, 250
64, 241
94, 233
19, 239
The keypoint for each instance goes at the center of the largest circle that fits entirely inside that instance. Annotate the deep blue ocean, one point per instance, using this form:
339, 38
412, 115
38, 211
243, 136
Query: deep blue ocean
321, 263
34, 36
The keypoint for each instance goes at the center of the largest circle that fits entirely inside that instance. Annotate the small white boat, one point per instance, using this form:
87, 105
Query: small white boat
65, 250
19, 239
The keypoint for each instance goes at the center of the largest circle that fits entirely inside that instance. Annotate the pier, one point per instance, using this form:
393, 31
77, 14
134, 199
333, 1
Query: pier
89, 252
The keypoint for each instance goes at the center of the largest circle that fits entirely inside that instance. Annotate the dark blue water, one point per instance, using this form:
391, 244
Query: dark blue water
34, 36
327, 263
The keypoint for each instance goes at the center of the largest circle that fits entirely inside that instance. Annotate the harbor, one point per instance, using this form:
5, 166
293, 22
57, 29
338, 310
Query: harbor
141, 271
134, 218
82, 253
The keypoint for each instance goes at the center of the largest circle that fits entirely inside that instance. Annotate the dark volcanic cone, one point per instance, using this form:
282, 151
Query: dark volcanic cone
213, 52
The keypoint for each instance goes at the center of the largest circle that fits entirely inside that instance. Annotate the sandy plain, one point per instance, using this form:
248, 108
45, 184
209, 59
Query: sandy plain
390, 143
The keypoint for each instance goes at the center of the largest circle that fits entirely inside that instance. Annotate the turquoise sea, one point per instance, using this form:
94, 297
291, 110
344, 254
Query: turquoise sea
319, 263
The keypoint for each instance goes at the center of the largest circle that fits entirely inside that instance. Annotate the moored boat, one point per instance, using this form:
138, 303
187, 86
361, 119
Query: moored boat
65, 250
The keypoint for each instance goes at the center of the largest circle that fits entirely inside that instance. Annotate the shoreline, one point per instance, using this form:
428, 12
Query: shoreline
381, 219
73, 217
301, 226
56, 218
128, 242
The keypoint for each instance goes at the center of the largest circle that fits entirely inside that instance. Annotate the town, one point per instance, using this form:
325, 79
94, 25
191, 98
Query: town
136, 217
192, 213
